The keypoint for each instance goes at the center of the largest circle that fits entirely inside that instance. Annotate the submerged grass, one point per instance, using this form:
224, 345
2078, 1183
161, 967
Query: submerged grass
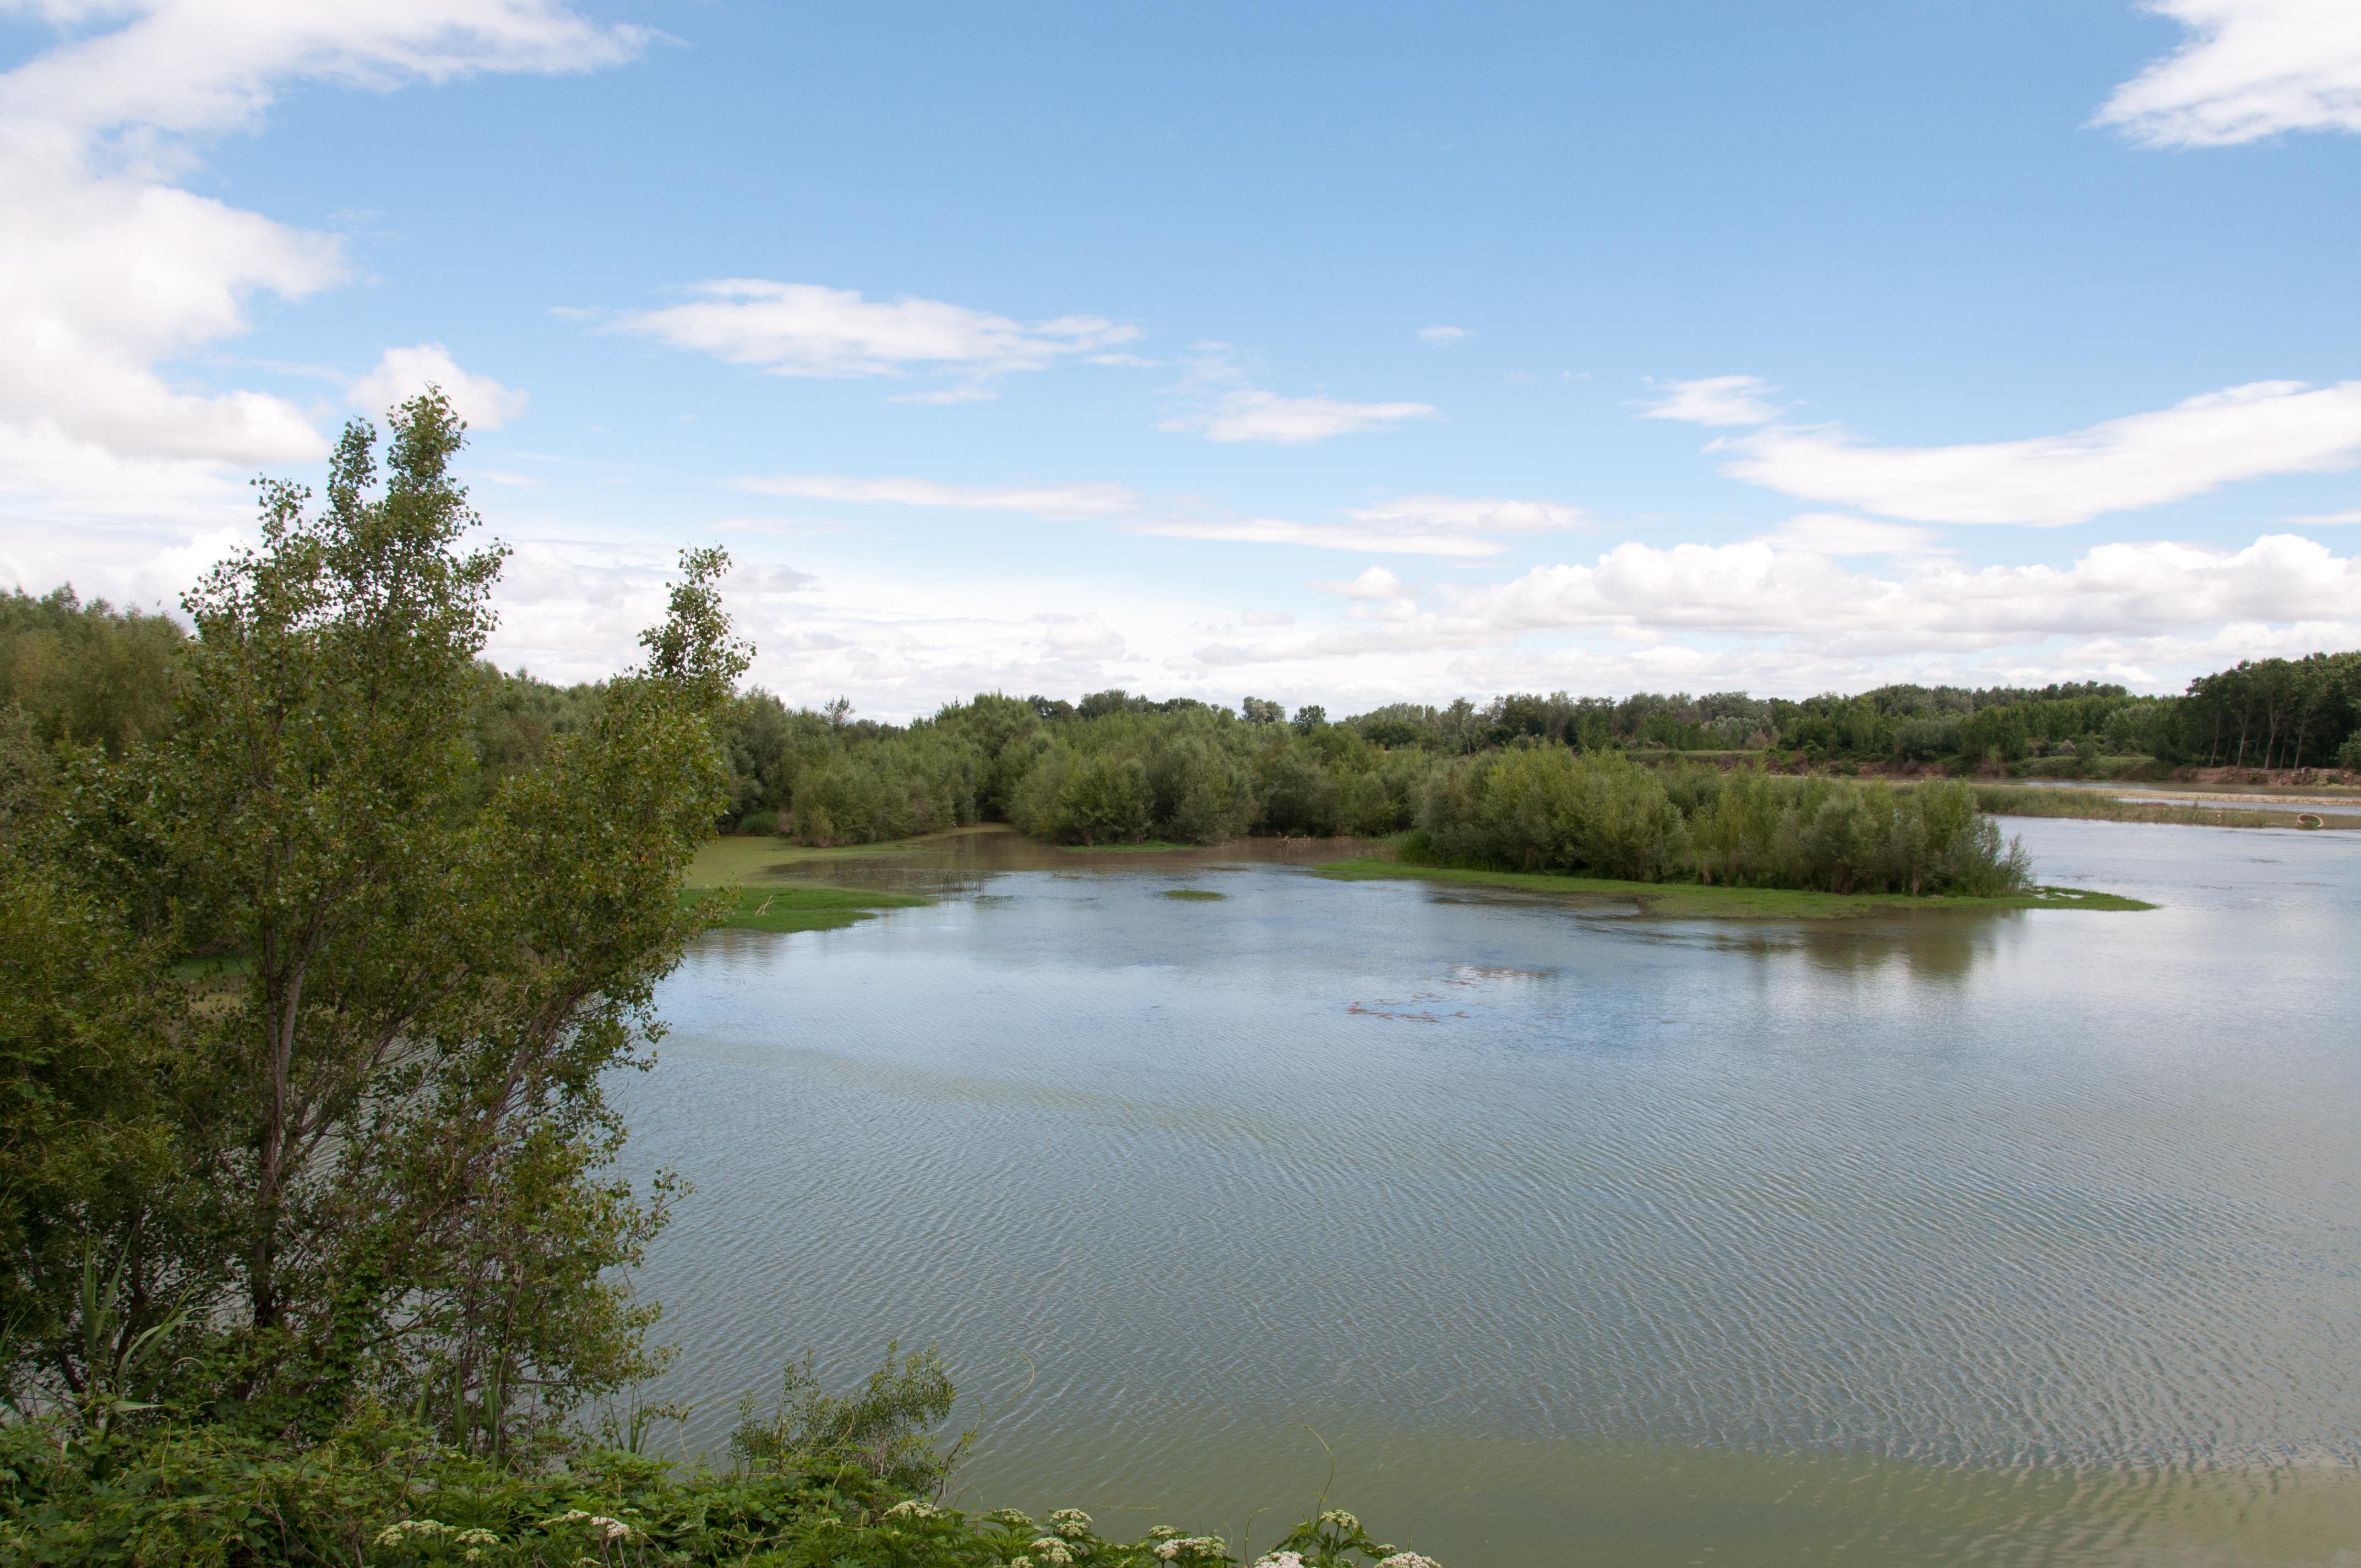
1698, 901
2020, 800
1194, 894
801, 908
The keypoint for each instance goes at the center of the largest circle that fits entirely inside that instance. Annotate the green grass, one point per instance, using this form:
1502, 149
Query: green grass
802, 908
1192, 893
1696, 901
2019, 800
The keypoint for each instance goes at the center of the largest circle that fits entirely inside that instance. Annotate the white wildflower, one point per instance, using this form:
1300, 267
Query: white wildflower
1409, 1560
1166, 1550
1052, 1550
1071, 1523
1163, 1532
1015, 1518
1279, 1559
476, 1538
1340, 1519
912, 1509
1020, 1562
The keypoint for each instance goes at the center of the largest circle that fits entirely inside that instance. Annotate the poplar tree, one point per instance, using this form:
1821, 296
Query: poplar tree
360, 1145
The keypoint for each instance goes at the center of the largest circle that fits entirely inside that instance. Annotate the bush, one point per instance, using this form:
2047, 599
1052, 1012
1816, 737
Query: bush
385, 1494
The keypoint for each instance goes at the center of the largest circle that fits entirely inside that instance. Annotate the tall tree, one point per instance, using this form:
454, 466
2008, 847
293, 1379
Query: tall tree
389, 1132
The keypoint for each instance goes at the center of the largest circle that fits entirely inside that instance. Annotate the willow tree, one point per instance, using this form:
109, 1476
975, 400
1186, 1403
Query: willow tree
390, 1160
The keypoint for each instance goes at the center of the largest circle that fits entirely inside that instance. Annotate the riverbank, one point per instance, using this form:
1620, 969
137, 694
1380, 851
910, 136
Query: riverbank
755, 872
2198, 811
1694, 901
2130, 771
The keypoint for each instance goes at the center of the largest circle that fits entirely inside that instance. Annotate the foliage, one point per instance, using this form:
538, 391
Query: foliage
1546, 808
885, 1431
383, 1493
367, 1160
86, 673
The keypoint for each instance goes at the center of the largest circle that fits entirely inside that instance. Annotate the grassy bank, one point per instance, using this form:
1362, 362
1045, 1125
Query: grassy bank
2019, 800
755, 873
1691, 901
803, 908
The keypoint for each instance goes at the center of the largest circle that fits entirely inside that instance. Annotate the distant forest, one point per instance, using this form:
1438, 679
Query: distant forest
1114, 767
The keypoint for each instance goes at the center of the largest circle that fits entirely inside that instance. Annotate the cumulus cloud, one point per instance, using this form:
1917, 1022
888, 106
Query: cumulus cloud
1056, 502
1376, 582
2141, 460
103, 278
808, 330
1715, 399
112, 270
2251, 69
1761, 588
404, 373
1443, 336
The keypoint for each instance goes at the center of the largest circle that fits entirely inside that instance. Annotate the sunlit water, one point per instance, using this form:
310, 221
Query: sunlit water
1940, 1239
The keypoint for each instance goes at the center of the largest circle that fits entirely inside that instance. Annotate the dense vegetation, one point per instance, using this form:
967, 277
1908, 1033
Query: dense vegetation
1526, 782
319, 943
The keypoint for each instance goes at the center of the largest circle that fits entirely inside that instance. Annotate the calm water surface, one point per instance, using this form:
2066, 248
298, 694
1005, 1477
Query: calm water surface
1936, 1239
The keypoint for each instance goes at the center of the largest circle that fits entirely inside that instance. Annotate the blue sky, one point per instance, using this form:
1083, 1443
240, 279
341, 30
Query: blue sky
1337, 354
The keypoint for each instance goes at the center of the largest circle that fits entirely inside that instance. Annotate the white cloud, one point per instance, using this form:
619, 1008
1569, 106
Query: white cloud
1376, 582
193, 65
2330, 517
1833, 533
2253, 69
1319, 537
2141, 460
1249, 415
898, 641
1474, 514
1058, 502
1086, 636
102, 277
1443, 336
1409, 525
1759, 589
1221, 405
404, 373
806, 330
1716, 399
111, 271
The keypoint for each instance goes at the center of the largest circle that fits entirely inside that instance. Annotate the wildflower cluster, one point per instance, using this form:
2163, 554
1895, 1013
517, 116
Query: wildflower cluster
436, 1541
1335, 1539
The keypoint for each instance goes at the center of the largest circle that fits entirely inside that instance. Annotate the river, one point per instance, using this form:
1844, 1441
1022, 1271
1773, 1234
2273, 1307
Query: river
1561, 1235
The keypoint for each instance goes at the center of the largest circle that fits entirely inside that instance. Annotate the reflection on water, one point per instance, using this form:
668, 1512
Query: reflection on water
1943, 1238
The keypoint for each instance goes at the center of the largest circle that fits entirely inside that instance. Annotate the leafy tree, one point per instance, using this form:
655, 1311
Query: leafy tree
86, 673
366, 1154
